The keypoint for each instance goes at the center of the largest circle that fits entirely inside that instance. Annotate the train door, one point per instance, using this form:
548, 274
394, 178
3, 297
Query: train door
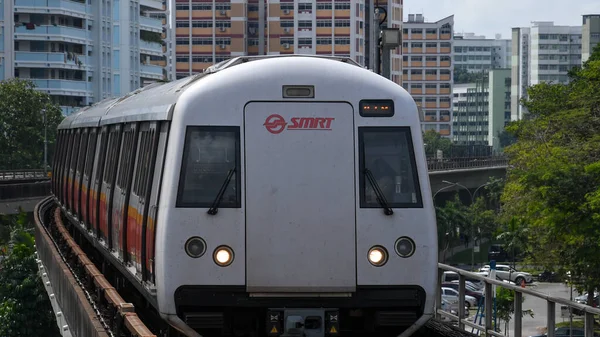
108, 183
300, 197
86, 186
65, 168
149, 227
71, 171
79, 173
138, 198
98, 178
122, 187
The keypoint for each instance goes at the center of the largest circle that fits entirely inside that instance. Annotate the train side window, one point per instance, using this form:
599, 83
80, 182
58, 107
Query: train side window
388, 153
210, 153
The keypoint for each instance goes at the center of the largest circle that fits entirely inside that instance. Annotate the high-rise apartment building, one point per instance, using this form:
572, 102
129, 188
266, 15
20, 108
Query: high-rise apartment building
590, 32
428, 69
210, 32
475, 53
499, 105
79, 51
470, 112
541, 53
482, 109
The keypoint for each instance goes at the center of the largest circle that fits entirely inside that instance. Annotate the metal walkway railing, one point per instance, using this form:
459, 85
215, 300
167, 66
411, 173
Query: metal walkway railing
488, 328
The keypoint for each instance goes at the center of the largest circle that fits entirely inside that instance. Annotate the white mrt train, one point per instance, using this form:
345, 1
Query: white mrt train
267, 196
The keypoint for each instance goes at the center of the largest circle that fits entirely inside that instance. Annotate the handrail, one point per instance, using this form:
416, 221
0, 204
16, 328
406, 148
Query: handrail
519, 291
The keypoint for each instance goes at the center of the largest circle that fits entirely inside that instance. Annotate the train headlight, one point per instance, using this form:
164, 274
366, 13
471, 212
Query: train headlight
405, 246
195, 247
377, 256
223, 256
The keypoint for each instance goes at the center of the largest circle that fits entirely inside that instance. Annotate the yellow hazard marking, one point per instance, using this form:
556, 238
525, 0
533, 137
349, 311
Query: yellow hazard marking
332, 330
274, 330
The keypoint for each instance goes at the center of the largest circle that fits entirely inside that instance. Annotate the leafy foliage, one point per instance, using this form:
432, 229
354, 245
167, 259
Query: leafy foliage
25, 309
461, 76
22, 125
434, 141
553, 187
478, 220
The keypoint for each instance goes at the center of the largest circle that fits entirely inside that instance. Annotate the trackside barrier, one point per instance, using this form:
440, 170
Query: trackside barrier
433, 165
487, 328
23, 174
450, 164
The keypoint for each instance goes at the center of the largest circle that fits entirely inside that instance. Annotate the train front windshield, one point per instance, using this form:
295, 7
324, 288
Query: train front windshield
387, 155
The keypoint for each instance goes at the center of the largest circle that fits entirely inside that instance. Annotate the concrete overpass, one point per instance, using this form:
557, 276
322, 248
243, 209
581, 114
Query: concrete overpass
25, 188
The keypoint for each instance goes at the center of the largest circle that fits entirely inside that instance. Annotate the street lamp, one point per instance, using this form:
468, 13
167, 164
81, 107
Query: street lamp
472, 195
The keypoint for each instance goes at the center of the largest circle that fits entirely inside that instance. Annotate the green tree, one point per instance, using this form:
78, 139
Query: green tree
434, 141
22, 125
461, 76
452, 219
553, 183
25, 309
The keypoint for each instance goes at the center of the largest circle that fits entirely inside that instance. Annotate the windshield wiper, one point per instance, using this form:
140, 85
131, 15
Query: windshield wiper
214, 209
378, 193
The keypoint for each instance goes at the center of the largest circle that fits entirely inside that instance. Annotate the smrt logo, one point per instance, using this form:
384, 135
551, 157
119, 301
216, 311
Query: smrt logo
275, 123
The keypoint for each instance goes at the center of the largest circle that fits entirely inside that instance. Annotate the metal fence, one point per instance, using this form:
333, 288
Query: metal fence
466, 163
23, 174
488, 329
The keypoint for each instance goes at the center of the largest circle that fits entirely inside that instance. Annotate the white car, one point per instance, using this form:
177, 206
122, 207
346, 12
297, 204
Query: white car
451, 295
508, 273
453, 309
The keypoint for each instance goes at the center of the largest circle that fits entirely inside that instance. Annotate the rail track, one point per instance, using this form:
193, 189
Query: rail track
95, 307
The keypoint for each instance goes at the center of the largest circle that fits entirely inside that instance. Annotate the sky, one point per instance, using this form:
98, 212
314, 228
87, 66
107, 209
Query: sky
489, 17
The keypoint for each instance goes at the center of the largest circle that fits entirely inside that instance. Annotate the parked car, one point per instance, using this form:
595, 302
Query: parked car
497, 252
548, 276
566, 332
451, 296
505, 272
468, 290
453, 309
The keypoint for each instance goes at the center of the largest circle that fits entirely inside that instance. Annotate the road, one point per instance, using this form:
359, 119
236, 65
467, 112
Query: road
537, 324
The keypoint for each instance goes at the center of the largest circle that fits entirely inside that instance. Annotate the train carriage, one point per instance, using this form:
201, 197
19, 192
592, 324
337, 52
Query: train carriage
264, 196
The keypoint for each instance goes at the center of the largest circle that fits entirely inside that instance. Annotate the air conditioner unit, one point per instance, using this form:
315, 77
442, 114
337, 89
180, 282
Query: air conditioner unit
223, 46
286, 46
222, 29
223, 12
286, 29
286, 11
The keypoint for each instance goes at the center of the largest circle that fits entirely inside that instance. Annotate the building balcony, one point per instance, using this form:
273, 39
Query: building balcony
156, 4
151, 48
151, 71
45, 33
151, 24
58, 4
67, 87
50, 60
